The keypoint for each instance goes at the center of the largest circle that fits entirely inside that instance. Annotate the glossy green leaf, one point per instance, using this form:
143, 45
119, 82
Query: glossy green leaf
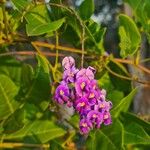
44, 28
115, 96
129, 36
86, 9
95, 37
109, 137
134, 129
37, 15
56, 13
127, 116
141, 12
135, 134
119, 83
43, 130
11, 68
124, 104
8, 91
36, 87
21, 5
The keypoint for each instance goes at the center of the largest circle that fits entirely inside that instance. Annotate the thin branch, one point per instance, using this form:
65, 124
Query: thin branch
127, 78
81, 24
5, 20
52, 46
145, 60
59, 5
18, 145
29, 53
82, 42
144, 69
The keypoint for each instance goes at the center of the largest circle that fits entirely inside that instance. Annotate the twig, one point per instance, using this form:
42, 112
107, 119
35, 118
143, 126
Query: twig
52, 46
145, 60
57, 43
17, 145
132, 63
29, 53
5, 20
82, 42
81, 24
59, 5
127, 78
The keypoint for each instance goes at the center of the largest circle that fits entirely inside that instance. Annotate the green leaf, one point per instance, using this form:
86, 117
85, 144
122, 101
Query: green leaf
21, 5
141, 12
86, 9
119, 84
8, 91
44, 28
37, 15
129, 36
36, 87
11, 68
127, 116
95, 37
44, 131
124, 104
56, 12
115, 96
109, 137
134, 129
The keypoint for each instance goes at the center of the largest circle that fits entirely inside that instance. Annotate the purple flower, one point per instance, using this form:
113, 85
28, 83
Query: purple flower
92, 69
93, 85
81, 86
92, 97
81, 105
103, 106
85, 126
107, 118
62, 93
86, 73
69, 75
80, 90
95, 117
68, 62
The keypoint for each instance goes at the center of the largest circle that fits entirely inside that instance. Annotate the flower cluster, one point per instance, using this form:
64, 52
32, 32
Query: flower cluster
80, 90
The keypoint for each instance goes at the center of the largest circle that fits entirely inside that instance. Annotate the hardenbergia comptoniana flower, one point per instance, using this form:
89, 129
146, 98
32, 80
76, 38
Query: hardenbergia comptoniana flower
80, 90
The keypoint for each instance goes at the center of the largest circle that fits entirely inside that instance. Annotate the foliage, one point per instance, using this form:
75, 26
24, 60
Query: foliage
28, 113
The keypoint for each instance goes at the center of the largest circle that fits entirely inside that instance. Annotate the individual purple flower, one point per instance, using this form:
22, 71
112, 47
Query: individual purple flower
101, 95
107, 118
92, 69
92, 97
69, 75
86, 73
82, 86
68, 62
62, 93
81, 105
103, 106
93, 85
95, 117
85, 126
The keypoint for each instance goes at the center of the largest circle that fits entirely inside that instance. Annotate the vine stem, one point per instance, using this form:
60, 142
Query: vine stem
5, 20
54, 46
132, 63
57, 43
82, 42
17, 145
146, 83
29, 53
81, 24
